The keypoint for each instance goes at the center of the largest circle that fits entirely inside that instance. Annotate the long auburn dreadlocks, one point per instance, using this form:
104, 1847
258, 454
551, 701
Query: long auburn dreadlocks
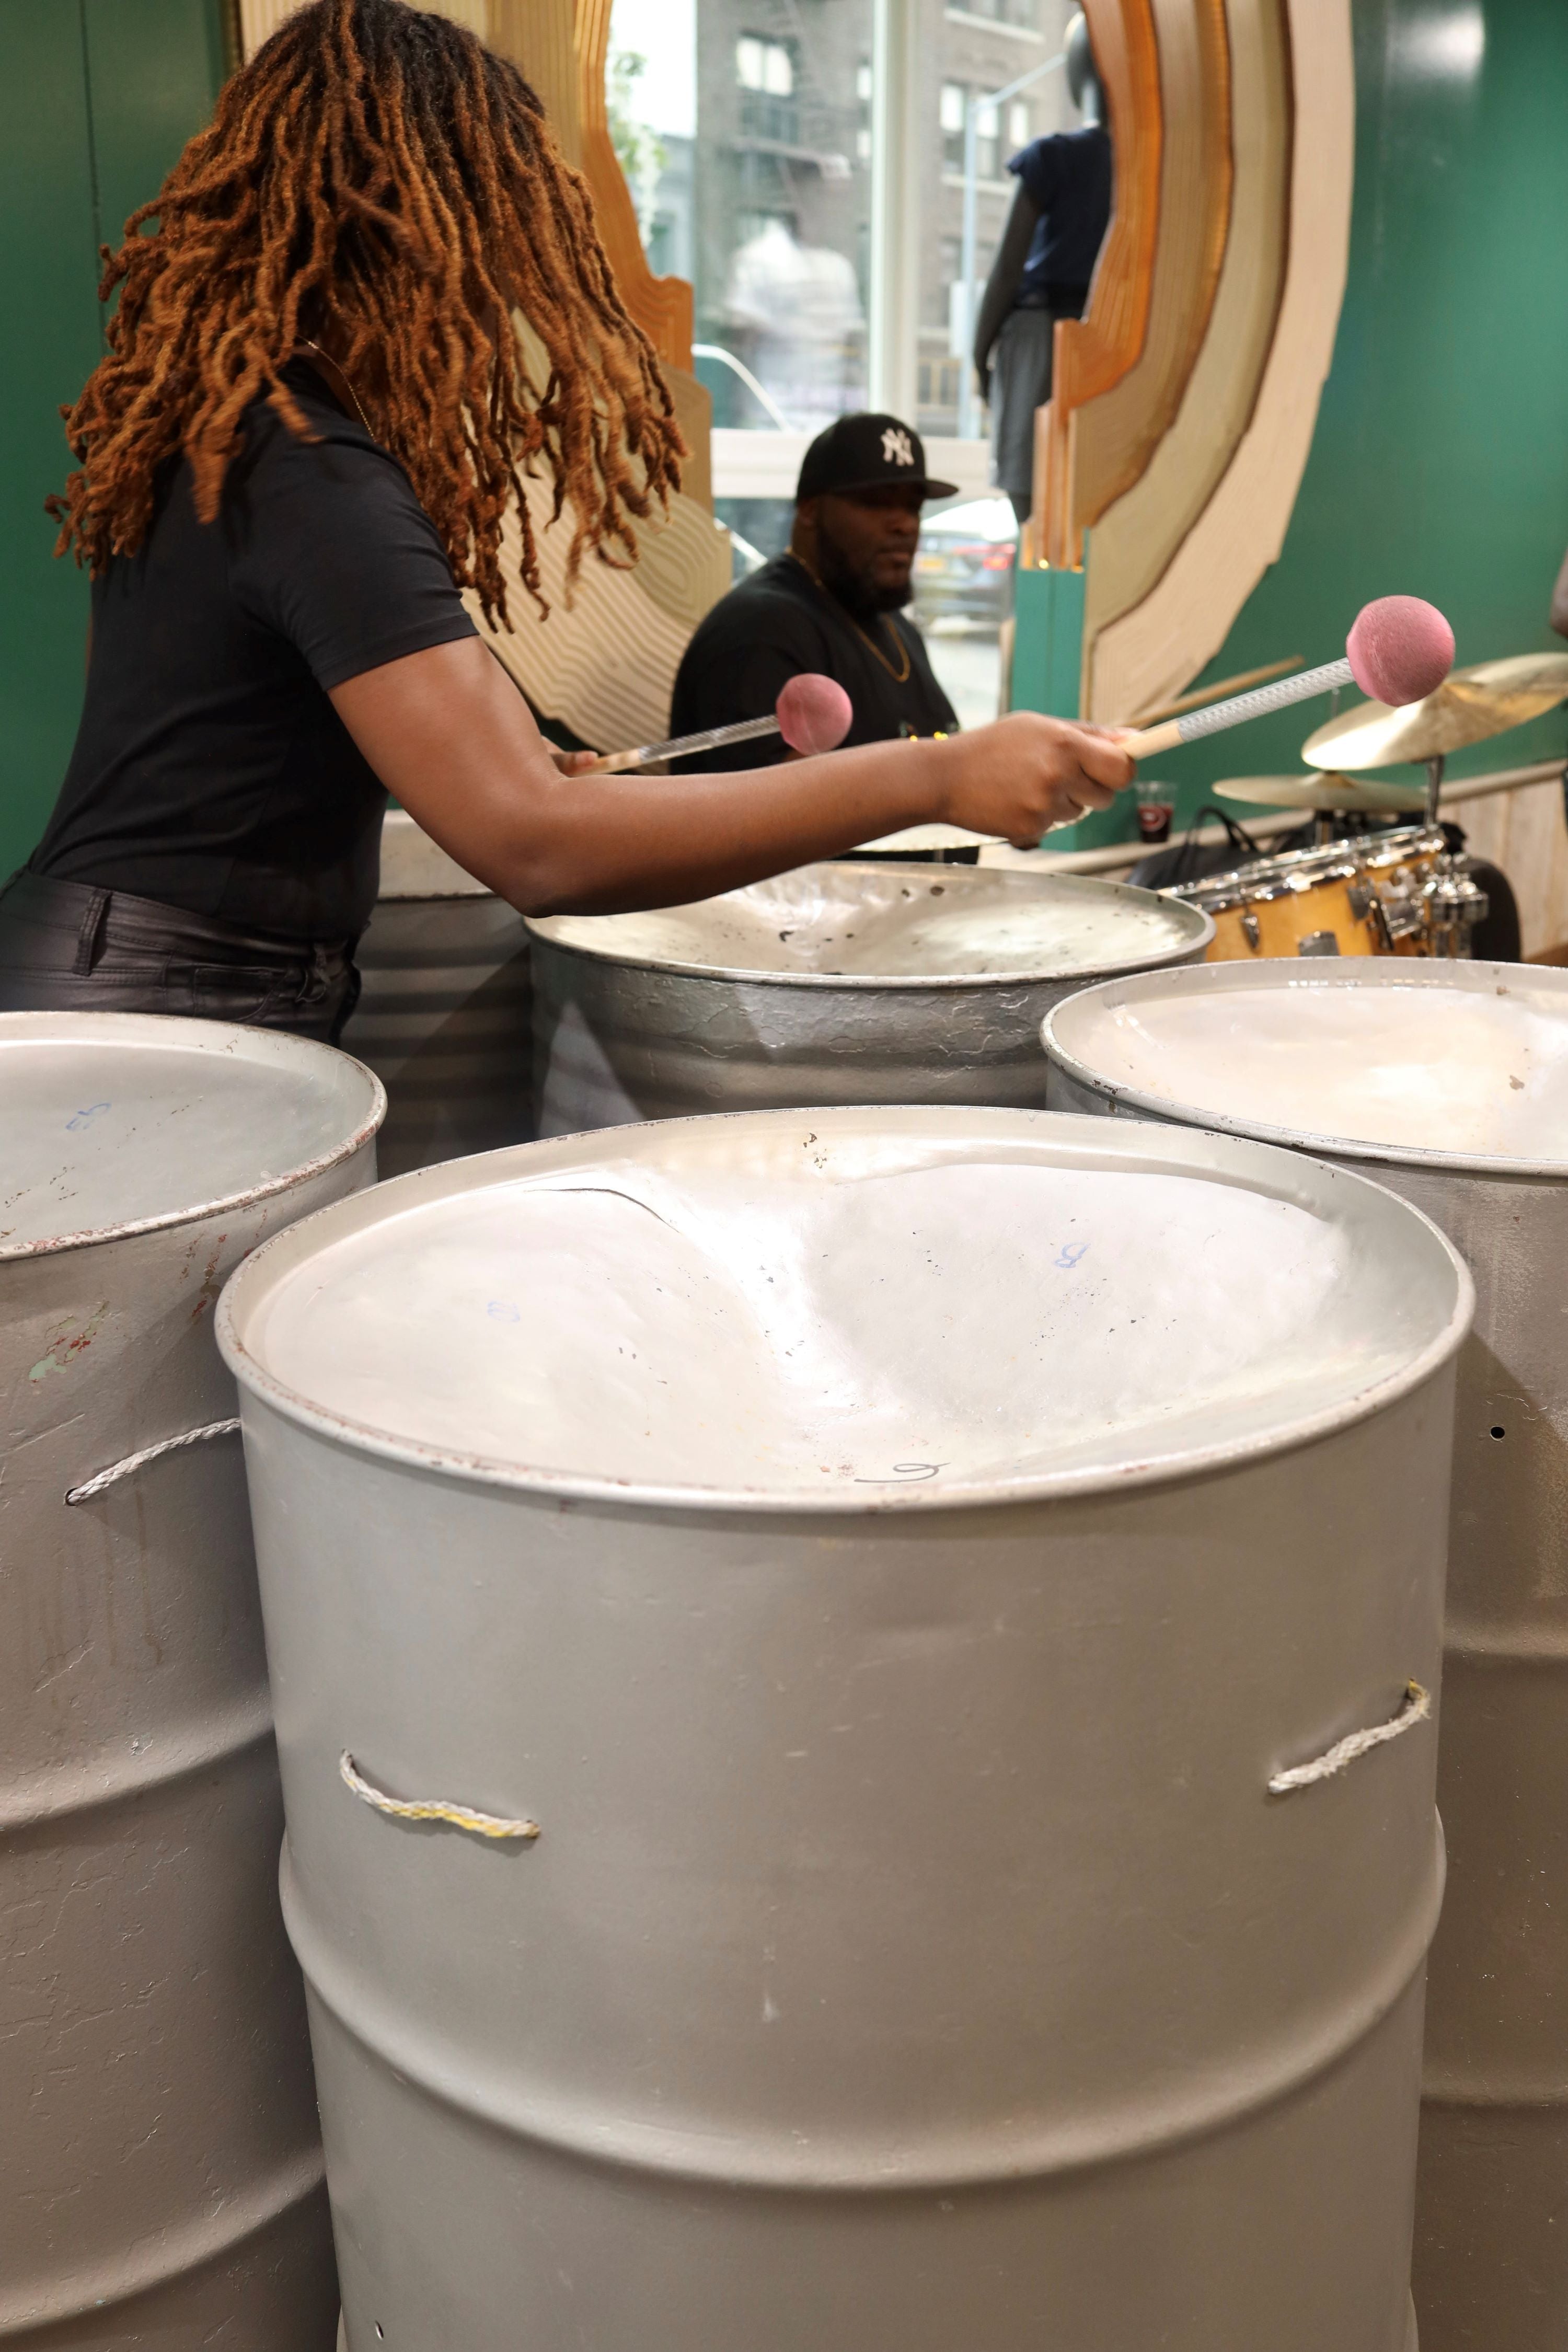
377, 167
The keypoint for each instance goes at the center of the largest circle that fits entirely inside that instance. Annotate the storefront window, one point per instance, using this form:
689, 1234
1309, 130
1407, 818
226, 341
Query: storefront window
745, 129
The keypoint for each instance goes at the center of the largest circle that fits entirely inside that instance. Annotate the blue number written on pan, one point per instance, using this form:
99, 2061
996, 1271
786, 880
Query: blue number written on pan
501, 1310
1071, 1253
85, 1117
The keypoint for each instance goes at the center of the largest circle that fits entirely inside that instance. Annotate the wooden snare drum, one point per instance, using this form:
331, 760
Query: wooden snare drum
1386, 894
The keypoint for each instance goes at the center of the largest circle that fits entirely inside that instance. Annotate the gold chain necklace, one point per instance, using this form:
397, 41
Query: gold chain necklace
335, 376
898, 676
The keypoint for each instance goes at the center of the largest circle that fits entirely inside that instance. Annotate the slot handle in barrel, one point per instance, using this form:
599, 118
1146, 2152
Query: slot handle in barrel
1415, 1707
122, 1469
430, 1809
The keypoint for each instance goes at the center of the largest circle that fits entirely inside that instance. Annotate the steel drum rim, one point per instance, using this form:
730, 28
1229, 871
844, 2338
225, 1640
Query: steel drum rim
1252, 1157
906, 982
1369, 972
203, 1036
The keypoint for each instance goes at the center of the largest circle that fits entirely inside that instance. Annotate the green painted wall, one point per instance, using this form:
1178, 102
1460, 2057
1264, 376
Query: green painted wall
97, 98
1439, 468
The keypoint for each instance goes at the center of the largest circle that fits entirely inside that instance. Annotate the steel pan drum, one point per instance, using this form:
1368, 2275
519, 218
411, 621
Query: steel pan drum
160, 2163
1450, 1084
443, 1017
885, 1556
836, 984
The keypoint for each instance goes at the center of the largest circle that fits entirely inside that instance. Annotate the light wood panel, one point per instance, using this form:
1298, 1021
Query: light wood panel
1094, 353
605, 662
257, 19
662, 307
1155, 649
540, 37
1523, 832
1136, 538
1120, 429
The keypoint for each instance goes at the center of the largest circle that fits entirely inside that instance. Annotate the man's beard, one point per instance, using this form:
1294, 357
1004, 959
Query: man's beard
858, 590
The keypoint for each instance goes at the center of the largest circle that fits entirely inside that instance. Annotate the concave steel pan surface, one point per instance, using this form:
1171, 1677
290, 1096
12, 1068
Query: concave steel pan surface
161, 2174
1449, 1083
885, 1555
837, 982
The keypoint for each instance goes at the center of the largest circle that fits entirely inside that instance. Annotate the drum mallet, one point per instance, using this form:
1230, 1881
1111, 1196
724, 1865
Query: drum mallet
1399, 651
813, 714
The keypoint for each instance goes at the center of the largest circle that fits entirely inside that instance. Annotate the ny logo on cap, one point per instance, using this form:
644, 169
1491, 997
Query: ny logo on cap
896, 449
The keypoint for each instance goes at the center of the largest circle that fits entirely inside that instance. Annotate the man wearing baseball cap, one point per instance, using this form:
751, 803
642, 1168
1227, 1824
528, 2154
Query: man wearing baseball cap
829, 602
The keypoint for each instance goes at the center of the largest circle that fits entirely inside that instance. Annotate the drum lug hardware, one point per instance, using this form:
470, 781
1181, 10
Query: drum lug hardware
1251, 931
1363, 899
1319, 943
1402, 917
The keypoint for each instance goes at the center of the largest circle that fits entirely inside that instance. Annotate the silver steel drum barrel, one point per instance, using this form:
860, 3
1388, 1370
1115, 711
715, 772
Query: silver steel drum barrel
443, 1017
1449, 1083
853, 1693
838, 984
160, 2173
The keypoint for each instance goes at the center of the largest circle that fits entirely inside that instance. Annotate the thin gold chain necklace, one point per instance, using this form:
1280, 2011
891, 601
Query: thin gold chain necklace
898, 676
337, 375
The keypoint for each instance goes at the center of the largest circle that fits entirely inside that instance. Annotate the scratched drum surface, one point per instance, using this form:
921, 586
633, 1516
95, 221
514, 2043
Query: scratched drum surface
110, 1121
1469, 1063
762, 1306
881, 922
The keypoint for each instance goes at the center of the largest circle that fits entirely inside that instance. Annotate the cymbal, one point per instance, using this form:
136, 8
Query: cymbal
1330, 792
1470, 706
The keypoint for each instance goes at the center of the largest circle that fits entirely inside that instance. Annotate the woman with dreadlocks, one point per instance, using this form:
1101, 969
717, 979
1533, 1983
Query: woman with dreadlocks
313, 412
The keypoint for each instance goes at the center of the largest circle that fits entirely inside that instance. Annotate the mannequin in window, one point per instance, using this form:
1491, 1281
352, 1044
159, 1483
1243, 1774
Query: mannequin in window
1042, 271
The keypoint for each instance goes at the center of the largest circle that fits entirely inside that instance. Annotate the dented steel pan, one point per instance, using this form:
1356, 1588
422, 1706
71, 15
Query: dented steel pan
1449, 1083
160, 2161
443, 1016
893, 1584
839, 982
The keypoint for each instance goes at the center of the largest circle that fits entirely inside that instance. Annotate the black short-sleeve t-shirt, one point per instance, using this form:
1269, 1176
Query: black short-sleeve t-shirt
210, 769
1067, 174
774, 625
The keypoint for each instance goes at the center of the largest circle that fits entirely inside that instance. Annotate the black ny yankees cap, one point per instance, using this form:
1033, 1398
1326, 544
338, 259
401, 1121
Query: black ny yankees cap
865, 452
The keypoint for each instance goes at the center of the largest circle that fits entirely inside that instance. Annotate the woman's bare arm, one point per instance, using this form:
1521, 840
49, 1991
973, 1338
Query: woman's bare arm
453, 741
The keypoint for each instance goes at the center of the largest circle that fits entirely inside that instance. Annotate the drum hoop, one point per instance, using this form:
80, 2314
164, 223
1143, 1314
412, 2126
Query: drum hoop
1294, 871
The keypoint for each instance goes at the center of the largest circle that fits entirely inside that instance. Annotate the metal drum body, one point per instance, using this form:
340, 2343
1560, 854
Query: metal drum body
1475, 1056
443, 1013
893, 1649
160, 2173
838, 984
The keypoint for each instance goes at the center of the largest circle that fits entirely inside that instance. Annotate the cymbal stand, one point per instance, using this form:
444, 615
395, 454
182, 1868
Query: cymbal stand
1434, 790
1453, 903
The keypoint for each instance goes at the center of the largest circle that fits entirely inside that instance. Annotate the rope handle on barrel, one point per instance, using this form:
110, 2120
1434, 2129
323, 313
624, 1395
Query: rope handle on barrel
118, 1470
1415, 1707
430, 1809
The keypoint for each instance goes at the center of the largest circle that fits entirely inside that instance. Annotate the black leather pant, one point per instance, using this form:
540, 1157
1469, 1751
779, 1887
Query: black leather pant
67, 947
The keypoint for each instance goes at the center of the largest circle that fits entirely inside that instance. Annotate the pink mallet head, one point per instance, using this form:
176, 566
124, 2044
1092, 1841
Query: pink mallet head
1400, 649
814, 712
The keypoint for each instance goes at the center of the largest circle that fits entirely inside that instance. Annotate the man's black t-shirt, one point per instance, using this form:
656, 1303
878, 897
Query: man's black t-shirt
210, 769
773, 626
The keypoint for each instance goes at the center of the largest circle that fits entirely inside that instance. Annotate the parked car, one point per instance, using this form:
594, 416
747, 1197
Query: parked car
962, 568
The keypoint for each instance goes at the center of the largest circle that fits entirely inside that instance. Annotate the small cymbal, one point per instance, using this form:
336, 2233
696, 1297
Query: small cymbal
1469, 707
1323, 792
